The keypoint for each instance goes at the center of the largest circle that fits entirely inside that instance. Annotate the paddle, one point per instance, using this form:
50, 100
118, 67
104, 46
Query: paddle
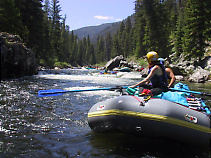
55, 92
194, 92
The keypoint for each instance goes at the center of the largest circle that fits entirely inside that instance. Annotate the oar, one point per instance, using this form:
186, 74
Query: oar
194, 92
55, 92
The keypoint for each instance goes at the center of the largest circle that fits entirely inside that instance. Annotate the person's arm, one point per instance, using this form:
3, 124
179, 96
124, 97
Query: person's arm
171, 75
151, 74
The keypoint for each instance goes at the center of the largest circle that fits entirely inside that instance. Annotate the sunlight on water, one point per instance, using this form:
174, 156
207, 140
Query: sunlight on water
88, 79
56, 126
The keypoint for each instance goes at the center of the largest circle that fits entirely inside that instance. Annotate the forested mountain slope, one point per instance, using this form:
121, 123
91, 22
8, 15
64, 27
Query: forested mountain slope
100, 30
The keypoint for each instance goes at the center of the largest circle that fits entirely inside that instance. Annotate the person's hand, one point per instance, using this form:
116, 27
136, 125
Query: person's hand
132, 86
169, 86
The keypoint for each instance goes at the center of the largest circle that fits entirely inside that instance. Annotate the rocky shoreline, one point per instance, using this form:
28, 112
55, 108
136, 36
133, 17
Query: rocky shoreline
192, 71
16, 59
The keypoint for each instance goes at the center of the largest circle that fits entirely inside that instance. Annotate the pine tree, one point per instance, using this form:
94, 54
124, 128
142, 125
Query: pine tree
88, 51
74, 52
80, 53
127, 40
115, 46
55, 28
10, 17
32, 19
195, 28
47, 48
64, 44
108, 47
84, 50
92, 54
178, 34
121, 39
139, 32
100, 50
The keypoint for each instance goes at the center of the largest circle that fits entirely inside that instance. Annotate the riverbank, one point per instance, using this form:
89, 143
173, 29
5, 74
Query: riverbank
16, 59
194, 70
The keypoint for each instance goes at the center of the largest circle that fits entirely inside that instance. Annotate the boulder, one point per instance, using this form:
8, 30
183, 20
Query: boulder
179, 77
206, 63
16, 59
177, 69
144, 72
199, 75
111, 64
134, 65
190, 68
120, 61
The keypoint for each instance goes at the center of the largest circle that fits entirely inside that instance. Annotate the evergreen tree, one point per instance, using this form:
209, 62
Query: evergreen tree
139, 33
64, 42
152, 18
56, 29
80, 52
195, 38
92, 54
121, 39
32, 19
127, 38
10, 17
115, 46
47, 48
84, 50
108, 47
178, 34
100, 49
74, 52
88, 51
207, 30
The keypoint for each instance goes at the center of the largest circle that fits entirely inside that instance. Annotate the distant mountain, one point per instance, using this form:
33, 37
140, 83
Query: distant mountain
94, 31
100, 30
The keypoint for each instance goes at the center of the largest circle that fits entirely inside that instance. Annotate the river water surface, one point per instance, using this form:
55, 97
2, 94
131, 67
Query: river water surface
56, 126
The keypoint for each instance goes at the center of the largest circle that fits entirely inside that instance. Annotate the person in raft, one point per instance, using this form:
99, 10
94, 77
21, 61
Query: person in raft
170, 75
157, 75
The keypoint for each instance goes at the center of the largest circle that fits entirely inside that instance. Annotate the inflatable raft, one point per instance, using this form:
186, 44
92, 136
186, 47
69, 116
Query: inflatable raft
154, 117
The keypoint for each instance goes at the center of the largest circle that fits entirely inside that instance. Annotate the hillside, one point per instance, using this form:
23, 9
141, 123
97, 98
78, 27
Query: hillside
103, 29
94, 31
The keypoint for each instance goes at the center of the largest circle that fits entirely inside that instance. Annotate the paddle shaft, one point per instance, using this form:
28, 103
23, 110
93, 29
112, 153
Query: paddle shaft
194, 92
43, 93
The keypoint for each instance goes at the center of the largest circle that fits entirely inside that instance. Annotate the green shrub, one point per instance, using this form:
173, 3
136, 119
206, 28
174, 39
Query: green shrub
60, 64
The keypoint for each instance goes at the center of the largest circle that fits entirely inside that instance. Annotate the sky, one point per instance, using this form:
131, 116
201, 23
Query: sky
82, 13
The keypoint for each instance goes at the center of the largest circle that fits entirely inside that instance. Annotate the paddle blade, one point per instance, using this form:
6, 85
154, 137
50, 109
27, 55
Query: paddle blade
51, 92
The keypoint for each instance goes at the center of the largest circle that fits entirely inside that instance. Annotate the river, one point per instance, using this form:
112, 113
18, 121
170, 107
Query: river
56, 126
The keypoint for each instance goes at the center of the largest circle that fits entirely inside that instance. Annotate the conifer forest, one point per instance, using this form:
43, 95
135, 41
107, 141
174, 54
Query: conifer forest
165, 26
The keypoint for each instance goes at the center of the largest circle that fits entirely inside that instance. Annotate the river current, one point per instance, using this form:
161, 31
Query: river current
56, 126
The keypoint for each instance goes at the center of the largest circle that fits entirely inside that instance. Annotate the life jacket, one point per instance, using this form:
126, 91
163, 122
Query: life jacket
159, 80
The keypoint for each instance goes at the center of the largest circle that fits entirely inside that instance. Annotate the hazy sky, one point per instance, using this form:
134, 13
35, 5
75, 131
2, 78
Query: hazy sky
81, 13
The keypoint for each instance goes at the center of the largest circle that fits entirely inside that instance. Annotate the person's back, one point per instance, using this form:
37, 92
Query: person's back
170, 75
157, 76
